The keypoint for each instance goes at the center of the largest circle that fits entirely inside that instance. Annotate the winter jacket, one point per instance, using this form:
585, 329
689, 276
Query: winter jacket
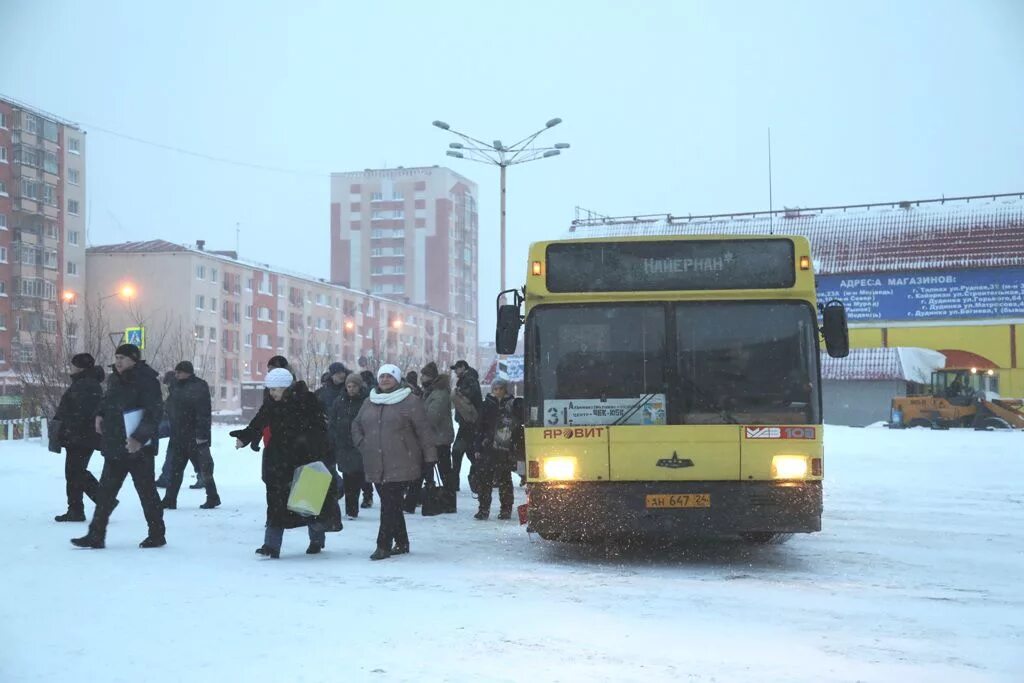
135, 389
437, 401
469, 386
298, 436
190, 412
394, 436
495, 415
329, 393
77, 410
343, 413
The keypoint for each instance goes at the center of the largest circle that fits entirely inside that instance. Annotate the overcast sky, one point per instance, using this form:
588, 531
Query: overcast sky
666, 105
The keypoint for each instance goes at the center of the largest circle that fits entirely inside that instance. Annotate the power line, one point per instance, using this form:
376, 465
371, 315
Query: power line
201, 155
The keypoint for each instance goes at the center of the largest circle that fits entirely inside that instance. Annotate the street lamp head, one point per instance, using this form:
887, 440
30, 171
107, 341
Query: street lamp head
552, 123
552, 153
457, 155
561, 145
442, 125
69, 296
455, 145
127, 291
498, 146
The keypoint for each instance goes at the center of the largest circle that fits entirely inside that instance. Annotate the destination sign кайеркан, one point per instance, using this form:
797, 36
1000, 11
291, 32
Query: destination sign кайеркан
670, 265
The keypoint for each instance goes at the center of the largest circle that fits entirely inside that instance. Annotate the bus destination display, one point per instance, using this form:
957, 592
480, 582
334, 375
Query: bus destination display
670, 265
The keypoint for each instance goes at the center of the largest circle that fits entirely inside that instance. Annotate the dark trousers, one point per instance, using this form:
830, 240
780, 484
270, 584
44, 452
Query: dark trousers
352, 485
368, 490
199, 455
491, 466
463, 446
79, 480
392, 519
165, 472
143, 472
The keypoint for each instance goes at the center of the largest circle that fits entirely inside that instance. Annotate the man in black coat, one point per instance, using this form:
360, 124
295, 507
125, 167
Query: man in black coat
76, 433
468, 386
333, 386
190, 410
128, 422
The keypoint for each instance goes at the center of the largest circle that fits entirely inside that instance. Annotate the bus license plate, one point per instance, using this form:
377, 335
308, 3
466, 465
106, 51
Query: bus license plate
678, 500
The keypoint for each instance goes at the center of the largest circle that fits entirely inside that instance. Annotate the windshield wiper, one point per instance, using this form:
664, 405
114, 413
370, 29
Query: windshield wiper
632, 410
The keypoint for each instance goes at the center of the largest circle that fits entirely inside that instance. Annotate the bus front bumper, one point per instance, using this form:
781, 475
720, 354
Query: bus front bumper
598, 510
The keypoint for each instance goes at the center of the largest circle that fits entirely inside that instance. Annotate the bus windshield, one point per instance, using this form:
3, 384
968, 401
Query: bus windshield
725, 362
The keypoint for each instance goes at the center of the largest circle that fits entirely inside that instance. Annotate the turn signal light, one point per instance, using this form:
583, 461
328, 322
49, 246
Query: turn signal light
538, 268
789, 466
805, 263
816, 467
562, 469
533, 470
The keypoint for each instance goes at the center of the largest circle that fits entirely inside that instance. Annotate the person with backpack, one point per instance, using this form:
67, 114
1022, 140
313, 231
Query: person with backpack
494, 451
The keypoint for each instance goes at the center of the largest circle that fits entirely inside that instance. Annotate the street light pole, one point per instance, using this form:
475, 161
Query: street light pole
502, 156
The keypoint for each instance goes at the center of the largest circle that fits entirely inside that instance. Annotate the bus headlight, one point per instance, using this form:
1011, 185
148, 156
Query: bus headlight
561, 468
789, 466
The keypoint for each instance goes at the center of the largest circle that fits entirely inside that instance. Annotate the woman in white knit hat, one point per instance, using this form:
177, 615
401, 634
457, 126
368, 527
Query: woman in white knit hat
298, 436
394, 435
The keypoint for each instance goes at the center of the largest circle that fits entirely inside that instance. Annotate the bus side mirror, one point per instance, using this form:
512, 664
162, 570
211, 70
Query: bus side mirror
835, 330
507, 334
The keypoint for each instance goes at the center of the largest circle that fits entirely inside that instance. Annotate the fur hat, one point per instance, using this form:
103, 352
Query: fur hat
335, 368
278, 378
185, 366
429, 370
83, 361
277, 362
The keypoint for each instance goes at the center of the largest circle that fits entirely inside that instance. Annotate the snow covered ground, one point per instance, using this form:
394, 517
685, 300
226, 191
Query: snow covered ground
917, 576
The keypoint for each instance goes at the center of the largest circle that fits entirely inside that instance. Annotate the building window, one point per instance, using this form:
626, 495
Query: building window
213, 304
3, 188
73, 176
72, 268
3, 155
213, 274
264, 314
3, 221
3, 288
200, 272
73, 237
280, 316
248, 312
213, 334
200, 302
198, 333
280, 343
397, 196
248, 340
49, 195
248, 285
50, 130
377, 197
29, 123
51, 230
3, 254
73, 146
263, 341
3, 120
3, 325
73, 207
50, 163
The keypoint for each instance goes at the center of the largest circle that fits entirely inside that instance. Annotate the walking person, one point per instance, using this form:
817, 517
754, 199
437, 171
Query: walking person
413, 382
397, 444
132, 399
468, 402
494, 452
437, 401
191, 414
370, 382
348, 457
298, 436
77, 434
333, 386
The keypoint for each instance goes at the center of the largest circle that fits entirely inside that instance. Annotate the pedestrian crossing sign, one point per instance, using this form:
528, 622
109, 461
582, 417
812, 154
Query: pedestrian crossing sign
136, 336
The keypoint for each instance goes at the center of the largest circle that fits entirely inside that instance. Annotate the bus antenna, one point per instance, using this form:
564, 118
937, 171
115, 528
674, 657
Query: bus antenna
771, 203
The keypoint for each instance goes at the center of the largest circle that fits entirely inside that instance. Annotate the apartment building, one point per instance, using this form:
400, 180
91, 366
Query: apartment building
230, 316
409, 234
42, 233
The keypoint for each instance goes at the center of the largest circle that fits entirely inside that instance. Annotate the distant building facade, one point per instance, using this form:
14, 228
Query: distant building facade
409, 234
230, 316
42, 235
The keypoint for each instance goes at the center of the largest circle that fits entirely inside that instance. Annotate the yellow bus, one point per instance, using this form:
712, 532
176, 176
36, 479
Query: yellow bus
672, 386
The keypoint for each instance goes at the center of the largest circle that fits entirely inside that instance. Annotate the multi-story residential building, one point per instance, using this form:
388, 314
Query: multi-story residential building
230, 316
408, 234
42, 233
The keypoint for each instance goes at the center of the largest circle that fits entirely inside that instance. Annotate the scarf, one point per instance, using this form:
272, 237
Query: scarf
390, 398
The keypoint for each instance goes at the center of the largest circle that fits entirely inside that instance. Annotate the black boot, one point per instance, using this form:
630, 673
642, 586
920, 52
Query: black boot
505, 514
153, 541
400, 549
73, 514
267, 551
381, 554
90, 540
168, 504
367, 502
211, 502
482, 514
314, 548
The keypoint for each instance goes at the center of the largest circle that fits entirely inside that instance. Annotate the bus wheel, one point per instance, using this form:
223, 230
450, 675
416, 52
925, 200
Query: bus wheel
920, 422
765, 538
